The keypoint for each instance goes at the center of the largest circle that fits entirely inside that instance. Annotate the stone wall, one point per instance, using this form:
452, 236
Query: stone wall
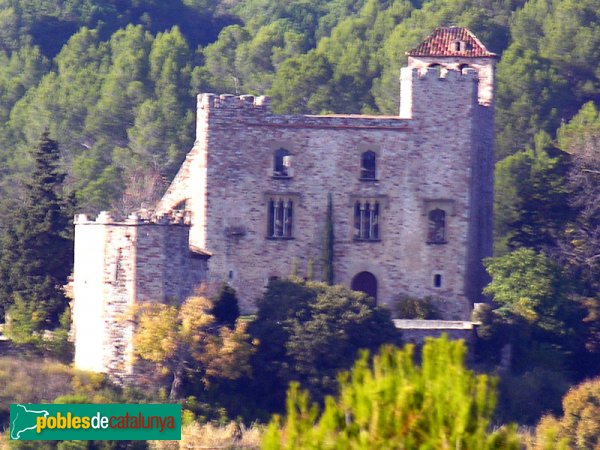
118, 265
437, 153
415, 331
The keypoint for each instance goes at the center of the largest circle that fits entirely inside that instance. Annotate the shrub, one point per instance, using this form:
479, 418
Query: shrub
416, 308
231, 436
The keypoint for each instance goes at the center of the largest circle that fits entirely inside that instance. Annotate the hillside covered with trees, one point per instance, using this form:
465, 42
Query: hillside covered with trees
109, 87
115, 82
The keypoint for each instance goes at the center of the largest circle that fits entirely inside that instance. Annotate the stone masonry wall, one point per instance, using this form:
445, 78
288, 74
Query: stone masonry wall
119, 264
425, 158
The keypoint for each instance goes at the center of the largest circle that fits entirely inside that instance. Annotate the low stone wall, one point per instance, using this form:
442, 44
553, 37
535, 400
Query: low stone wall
415, 331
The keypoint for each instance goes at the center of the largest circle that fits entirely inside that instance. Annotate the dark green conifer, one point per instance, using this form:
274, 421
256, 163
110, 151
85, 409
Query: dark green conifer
37, 247
328, 274
226, 309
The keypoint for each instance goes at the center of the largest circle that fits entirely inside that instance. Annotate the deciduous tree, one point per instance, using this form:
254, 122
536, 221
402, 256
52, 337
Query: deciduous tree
185, 340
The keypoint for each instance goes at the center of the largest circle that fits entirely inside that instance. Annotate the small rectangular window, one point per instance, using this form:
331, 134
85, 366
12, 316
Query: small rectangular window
437, 280
368, 165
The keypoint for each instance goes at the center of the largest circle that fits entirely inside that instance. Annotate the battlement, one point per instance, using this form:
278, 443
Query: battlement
442, 74
228, 101
446, 92
106, 218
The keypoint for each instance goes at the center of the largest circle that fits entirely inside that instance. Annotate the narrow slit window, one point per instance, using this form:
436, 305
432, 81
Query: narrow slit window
437, 280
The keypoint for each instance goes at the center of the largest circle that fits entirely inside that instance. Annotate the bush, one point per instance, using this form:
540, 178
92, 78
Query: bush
416, 308
231, 436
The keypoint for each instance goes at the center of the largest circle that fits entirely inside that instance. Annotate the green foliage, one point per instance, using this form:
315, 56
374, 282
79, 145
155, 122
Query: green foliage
395, 404
531, 200
37, 250
581, 243
573, 136
310, 331
407, 307
225, 306
526, 397
527, 287
309, 73
531, 97
534, 312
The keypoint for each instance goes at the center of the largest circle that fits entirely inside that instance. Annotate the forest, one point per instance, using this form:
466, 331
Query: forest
105, 91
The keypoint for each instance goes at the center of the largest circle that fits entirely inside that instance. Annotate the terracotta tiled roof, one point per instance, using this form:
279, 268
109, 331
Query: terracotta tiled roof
443, 42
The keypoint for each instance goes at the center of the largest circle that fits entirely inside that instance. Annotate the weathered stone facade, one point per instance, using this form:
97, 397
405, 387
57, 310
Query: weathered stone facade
119, 264
436, 155
411, 195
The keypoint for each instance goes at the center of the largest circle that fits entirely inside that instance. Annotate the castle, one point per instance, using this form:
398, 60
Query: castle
411, 199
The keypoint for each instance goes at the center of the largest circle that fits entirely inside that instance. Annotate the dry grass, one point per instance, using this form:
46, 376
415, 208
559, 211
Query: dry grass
214, 437
30, 381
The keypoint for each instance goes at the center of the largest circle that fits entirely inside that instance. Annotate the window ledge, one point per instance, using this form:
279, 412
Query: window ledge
368, 179
280, 238
437, 242
282, 177
365, 240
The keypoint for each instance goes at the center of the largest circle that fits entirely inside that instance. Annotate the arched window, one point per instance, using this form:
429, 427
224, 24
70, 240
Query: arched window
368, 165
365, 282
282, 163
437, 226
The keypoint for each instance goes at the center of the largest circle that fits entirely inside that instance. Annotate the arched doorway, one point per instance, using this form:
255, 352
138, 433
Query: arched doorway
365, 282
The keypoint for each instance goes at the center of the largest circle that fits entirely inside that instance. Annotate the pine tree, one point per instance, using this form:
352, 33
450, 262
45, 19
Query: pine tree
37, 250
392, 403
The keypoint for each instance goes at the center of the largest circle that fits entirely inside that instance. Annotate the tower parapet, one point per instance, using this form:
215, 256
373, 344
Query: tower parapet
439, 94
456, 49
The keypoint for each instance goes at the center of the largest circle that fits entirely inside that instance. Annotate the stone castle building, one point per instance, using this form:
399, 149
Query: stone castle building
411, 198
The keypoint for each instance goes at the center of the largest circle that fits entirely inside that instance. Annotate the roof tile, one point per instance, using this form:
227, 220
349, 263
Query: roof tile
442, 42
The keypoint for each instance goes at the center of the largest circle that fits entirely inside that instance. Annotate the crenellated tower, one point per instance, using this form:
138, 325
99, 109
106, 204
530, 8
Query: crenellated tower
457, 49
